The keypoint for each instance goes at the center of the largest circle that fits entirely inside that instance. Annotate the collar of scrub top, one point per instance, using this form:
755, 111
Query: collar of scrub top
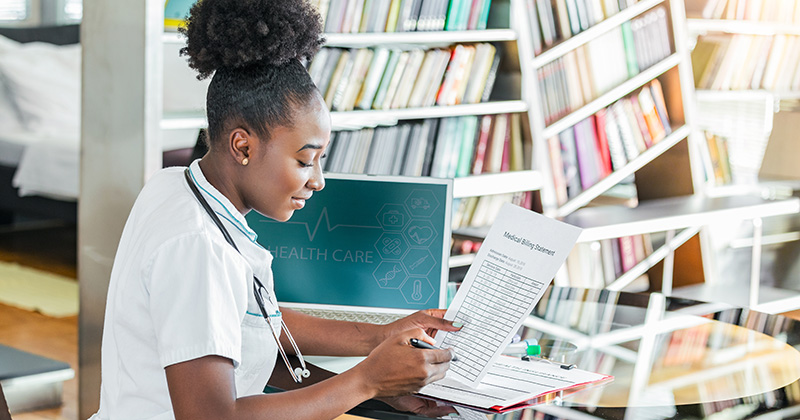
259, 291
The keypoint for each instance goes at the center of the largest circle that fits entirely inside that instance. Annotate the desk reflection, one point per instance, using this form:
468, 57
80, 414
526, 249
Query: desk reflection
671, 358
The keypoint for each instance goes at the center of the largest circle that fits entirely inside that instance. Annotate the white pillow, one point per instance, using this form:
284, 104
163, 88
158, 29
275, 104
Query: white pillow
9, 114
44, 80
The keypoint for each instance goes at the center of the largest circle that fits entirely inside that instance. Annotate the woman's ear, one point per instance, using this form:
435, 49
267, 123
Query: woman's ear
240, 143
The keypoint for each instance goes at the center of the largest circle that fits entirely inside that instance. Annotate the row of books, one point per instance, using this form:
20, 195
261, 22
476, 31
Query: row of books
463, 246
439, 147
720, 161
354, 16
786, 11
592, 149
482, 211
598, 264
685, 346
587, 72
589, 311
740, 62
384, 78
555, 20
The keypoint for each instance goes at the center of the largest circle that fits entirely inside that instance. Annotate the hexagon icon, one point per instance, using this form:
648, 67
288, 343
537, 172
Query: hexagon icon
393, 216
420, 233
417, 290
422, 203
389, 275
391, 246
418, 261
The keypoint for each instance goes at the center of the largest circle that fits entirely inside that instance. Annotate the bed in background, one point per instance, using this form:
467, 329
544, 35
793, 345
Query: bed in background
39, 163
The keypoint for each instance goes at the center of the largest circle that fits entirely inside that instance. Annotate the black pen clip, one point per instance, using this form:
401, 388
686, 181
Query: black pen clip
569, 366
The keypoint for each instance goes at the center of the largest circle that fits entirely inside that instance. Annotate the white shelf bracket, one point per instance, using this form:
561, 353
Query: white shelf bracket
755, 264
669, 261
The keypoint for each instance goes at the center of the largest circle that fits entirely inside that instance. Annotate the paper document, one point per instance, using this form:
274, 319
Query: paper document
518, 259
511, 382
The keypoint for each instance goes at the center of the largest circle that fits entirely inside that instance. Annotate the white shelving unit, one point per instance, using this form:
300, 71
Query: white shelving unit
745, 27
681, 218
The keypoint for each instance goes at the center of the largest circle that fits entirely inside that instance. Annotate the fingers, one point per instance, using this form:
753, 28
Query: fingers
433, 319
439, 356
419, 334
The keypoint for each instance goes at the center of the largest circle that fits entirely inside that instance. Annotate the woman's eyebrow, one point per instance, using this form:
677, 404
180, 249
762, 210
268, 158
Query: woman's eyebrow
309, 146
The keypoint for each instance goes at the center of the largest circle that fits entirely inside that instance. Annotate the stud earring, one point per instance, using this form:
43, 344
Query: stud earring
245, 161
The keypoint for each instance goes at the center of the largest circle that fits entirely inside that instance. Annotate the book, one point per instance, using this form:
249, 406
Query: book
336, 77
394, 82
482, 144
516, 156
602, 143
386, 78
494, 154
406, 83
661, 106
562, 16
355, 80
630, 49
422, 84
440, 66
557, 170
483, 18
468, 141
490, 78
570, 162
431, 145
587, 153
377, 67
626, 133
630, 116
616, 149
476, 83
394, 16
627, 253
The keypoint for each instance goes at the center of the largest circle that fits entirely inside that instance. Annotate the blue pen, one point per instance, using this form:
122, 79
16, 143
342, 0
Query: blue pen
424, 345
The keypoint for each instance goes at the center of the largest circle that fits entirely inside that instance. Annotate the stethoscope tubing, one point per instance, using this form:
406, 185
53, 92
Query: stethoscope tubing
298, 373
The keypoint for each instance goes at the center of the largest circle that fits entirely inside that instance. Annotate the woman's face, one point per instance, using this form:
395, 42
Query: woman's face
288, 169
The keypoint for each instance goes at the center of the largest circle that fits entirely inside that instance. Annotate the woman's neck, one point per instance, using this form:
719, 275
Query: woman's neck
221, 177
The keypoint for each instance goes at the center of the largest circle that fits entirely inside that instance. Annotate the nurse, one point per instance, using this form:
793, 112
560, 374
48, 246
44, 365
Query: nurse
185, 333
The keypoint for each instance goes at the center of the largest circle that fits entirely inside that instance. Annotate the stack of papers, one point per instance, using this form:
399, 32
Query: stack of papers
517, 261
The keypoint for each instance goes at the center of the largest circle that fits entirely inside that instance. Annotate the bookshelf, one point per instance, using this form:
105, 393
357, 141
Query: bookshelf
674, 152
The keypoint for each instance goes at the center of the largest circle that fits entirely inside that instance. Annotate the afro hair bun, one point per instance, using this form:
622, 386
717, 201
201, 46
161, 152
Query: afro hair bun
239, 33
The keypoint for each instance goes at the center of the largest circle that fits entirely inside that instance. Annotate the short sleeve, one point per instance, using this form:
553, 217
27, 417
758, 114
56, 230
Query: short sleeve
198, 296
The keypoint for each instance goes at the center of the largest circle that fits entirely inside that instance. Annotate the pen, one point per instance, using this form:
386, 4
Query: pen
424, 345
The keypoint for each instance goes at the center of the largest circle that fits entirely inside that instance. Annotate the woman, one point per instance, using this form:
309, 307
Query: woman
184, 333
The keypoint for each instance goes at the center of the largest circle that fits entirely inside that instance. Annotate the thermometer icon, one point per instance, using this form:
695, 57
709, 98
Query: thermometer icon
417, 294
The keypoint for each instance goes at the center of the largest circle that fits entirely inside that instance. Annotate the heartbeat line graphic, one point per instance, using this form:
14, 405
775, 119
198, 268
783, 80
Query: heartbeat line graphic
324, 215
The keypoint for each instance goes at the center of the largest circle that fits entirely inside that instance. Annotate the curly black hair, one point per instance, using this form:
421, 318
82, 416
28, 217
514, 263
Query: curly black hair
253, 49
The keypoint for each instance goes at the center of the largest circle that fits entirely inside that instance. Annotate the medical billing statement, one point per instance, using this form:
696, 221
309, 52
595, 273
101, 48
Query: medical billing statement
517, 261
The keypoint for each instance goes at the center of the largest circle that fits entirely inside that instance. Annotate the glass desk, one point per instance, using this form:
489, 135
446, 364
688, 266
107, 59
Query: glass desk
671, 358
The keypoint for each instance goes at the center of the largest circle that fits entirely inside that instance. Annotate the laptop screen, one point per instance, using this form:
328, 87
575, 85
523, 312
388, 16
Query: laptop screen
367, 241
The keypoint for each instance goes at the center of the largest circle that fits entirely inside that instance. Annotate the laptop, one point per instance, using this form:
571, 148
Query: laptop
369, 248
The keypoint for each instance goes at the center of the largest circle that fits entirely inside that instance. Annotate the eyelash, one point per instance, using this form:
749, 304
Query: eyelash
309, 165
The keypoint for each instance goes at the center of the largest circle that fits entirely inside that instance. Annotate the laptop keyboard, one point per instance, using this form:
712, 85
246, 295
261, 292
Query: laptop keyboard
339, 315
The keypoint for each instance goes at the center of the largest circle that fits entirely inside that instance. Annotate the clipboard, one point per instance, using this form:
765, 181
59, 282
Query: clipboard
513, 384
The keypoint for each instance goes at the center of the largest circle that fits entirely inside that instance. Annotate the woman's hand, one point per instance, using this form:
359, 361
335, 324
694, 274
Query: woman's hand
430, 320
395, 368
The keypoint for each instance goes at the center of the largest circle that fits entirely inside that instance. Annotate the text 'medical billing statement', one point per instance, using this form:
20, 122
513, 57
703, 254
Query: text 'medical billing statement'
517, 261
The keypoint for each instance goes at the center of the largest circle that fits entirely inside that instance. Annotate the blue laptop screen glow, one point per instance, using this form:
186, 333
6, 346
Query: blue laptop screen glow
361, 243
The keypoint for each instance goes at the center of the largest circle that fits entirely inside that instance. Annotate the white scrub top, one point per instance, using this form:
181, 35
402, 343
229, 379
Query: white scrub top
178, 292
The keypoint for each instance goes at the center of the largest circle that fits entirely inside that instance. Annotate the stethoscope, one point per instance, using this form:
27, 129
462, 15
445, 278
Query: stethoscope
260, 292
